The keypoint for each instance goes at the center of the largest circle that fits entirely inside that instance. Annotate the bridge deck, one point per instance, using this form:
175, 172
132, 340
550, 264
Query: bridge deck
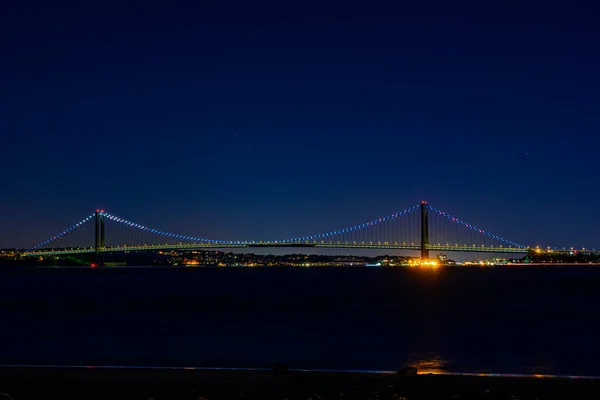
200, 246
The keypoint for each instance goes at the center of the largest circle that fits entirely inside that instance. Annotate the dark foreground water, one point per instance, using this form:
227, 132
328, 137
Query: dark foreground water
504, 320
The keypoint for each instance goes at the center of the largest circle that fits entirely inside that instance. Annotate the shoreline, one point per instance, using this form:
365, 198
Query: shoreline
25, 382
116, 368
411, 267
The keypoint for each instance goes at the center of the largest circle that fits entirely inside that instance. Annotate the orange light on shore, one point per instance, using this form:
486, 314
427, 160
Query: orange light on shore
423, 263
429, 263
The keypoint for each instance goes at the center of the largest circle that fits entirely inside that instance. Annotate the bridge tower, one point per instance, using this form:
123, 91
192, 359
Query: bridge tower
99, 236
424, 231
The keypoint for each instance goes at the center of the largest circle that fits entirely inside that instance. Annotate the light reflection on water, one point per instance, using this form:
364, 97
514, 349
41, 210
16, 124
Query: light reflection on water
428, 363
525, 321
432, 363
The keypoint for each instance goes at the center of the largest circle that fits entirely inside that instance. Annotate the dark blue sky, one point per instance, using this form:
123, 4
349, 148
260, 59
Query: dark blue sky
253, 121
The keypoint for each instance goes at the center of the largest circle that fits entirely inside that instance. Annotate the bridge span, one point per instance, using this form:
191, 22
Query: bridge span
182, 246
420, 228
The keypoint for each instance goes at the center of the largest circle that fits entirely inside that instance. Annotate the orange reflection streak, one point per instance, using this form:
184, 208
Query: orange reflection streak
429, 364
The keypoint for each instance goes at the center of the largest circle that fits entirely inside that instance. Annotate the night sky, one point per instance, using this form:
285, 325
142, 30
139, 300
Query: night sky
257, 121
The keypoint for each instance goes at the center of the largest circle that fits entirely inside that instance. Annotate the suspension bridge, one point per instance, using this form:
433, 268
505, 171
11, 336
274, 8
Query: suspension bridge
423, 228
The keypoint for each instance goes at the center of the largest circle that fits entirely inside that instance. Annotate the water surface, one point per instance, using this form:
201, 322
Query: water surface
501, 320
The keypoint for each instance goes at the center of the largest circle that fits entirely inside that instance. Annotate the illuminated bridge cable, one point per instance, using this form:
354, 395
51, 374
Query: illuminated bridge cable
474, 229
64, 233
352, 233
352, 229
162, 233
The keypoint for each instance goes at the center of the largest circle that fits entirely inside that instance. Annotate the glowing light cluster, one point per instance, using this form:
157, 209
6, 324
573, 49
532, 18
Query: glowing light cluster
475, 229
423, 263
353, 228
63, 233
